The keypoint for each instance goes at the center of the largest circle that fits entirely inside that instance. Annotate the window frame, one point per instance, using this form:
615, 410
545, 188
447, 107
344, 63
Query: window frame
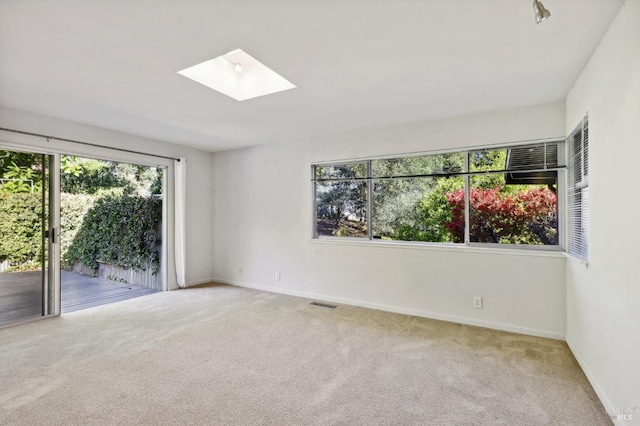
577, 217
561, 185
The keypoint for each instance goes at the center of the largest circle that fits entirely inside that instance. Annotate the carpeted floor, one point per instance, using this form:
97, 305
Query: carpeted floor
221, 355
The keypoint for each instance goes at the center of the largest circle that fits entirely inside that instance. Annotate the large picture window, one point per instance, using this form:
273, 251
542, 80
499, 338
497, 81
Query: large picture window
504, 195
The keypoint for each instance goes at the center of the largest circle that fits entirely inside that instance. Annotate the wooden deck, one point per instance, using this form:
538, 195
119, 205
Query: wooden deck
82, 292
20, 294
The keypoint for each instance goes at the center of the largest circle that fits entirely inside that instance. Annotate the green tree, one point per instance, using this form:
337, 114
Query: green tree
396, 200
20, 172
90, 176
342, 203
433, 212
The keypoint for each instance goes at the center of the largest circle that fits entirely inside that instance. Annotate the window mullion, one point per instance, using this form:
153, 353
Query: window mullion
314, 203
369, 201
467, 209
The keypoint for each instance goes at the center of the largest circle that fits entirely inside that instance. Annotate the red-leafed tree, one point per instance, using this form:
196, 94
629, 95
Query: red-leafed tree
526, 217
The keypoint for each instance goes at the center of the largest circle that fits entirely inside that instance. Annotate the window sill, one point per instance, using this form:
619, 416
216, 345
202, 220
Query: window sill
460, 248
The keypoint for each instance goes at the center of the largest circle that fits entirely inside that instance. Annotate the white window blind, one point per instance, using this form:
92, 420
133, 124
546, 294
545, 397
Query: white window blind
578, 188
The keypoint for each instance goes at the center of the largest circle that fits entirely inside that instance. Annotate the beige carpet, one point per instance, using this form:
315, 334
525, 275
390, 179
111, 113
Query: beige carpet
221, 355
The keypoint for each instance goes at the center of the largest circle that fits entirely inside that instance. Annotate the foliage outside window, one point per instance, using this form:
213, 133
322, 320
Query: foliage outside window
341, 200
502, 196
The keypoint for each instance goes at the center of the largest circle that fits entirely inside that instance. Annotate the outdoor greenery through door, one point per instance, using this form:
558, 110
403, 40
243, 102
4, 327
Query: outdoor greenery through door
111, 218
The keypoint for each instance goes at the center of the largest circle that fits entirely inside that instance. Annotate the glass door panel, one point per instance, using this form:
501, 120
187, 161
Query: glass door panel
24, 236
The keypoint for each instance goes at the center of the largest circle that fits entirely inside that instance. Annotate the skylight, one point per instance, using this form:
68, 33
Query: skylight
237, 75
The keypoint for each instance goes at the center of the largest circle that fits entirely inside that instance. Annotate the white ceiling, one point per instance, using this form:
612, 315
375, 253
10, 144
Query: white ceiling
357, 64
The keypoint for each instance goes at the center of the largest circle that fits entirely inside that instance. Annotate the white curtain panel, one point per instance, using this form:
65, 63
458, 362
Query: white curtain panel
180, 206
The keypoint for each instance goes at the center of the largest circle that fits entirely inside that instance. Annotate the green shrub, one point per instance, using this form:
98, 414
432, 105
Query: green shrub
121, 231
73, 208
20, 230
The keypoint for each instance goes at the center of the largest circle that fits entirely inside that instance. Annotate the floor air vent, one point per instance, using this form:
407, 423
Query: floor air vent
324, 305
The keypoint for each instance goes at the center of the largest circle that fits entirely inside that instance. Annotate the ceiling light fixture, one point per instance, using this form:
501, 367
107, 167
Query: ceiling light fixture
236, 65
541, 12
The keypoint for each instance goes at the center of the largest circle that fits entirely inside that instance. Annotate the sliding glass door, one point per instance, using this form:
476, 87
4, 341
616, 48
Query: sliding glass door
29, 279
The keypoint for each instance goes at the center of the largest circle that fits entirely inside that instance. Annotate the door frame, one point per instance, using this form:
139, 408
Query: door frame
166, 178
52, 303
52, 146
53, 293
50, 297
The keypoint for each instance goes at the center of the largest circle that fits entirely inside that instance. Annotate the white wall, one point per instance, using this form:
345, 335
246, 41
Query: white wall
603, 298
262, 225
199, 174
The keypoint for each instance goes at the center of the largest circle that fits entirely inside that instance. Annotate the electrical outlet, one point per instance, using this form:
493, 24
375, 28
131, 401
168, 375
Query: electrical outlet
477, 302
277, 276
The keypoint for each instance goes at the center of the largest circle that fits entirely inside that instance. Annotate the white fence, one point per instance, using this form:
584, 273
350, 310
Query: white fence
119, 274
114, 273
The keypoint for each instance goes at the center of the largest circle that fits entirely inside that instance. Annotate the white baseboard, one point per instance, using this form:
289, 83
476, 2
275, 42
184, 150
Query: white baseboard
594, 383
203, 281
192, 283
401, 310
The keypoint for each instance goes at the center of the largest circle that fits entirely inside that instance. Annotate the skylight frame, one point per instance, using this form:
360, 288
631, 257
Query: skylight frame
251, 79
